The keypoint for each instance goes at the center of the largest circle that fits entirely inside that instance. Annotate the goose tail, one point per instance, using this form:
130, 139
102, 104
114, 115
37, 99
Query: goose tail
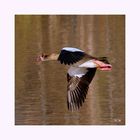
103, 64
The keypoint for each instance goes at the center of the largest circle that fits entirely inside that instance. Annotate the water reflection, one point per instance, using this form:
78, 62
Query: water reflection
41, 88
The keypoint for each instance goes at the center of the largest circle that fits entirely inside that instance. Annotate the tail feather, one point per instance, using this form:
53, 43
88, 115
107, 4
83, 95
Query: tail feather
103, 59
103, 64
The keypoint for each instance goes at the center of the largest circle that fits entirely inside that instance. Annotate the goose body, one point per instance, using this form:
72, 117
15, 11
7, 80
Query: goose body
80, 74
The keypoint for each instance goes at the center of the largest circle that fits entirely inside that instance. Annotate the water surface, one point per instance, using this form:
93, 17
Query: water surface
41, 89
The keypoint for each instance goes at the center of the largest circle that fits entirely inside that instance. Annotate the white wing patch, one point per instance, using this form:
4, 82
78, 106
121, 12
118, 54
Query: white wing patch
89, 64
72, 49
75, 71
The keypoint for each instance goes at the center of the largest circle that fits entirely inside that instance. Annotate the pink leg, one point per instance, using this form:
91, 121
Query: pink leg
103, 66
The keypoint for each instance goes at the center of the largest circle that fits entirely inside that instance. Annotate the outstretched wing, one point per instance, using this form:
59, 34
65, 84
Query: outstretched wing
78, 85
70, 55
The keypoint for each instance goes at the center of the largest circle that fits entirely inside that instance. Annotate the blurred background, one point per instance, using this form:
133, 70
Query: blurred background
41, 89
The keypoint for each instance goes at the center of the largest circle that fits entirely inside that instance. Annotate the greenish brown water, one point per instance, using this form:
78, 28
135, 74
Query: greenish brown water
41, 89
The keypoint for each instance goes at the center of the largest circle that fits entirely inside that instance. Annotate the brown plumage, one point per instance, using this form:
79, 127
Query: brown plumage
77, 89
80, 74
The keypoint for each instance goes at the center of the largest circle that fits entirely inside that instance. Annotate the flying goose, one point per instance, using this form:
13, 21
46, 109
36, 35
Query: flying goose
80, 74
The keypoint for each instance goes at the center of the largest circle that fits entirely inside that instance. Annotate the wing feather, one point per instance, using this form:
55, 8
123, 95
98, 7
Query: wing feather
78, 88
69, 57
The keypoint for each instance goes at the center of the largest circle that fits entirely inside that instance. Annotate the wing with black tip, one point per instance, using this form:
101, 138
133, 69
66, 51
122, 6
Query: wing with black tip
78, 87
70, 55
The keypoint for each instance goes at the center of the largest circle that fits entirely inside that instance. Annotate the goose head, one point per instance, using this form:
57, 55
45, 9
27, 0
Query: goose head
45, 57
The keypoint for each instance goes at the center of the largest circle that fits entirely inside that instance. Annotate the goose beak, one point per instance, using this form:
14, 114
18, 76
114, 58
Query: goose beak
38, 59
42, 57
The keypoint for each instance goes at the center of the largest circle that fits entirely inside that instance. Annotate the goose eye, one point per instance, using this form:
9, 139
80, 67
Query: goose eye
45, 56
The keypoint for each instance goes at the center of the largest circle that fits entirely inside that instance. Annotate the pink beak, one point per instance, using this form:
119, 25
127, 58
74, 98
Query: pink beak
38, 59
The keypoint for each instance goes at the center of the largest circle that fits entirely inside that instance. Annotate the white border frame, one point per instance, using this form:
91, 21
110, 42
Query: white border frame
8, 10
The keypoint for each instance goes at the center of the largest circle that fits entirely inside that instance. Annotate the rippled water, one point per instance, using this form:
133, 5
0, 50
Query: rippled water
41, 89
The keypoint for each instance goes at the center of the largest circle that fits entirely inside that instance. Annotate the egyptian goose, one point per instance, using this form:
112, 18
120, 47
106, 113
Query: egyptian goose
80, 74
